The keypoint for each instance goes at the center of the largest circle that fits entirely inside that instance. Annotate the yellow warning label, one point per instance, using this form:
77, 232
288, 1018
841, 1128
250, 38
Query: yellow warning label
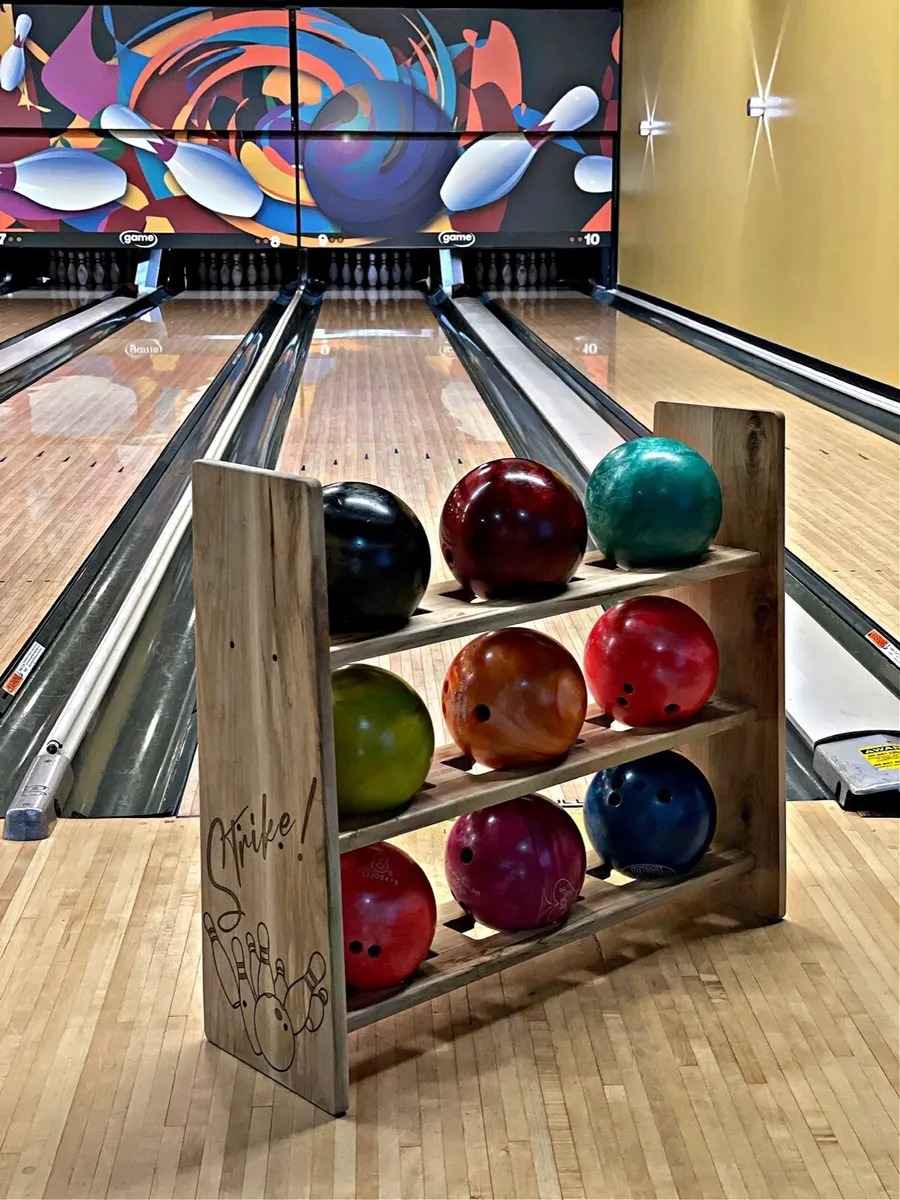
885, 757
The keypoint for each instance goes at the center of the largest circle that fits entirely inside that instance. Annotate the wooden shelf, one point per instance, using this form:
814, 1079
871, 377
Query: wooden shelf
445, 612
458, 960
452, 788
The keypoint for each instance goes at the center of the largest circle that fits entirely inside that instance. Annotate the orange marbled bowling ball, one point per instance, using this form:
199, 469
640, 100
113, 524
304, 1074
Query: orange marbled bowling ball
513, 698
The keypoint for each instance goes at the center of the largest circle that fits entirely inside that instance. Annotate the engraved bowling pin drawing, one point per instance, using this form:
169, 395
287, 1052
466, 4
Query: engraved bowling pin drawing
265, 980
246, 995
222, 962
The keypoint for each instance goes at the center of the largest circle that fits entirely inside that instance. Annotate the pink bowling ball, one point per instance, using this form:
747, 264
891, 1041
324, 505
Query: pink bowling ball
516, 865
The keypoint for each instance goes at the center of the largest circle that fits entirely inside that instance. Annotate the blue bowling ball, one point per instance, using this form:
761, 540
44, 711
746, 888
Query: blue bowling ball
652, 817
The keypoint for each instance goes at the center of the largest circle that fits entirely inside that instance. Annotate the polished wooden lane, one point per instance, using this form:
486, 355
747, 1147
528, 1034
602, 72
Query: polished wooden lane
74, 445
19, 312
718, 1063
842, 517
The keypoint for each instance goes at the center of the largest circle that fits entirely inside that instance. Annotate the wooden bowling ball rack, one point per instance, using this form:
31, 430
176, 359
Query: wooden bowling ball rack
273, 959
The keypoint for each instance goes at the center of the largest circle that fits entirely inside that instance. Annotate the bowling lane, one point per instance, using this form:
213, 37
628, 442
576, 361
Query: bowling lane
841, 479
384, 399
19, 312
75, 445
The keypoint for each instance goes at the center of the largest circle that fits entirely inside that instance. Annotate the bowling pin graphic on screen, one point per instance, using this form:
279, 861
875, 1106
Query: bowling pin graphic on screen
65, 180
12, 63
491, 167
209, 176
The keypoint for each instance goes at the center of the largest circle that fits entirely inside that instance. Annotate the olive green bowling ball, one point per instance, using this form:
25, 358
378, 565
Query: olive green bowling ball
653, 502
383, 740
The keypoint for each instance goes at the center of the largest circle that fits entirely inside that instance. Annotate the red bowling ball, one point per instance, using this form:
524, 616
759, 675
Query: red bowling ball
390, 916
651, 661
517, 865
513, 529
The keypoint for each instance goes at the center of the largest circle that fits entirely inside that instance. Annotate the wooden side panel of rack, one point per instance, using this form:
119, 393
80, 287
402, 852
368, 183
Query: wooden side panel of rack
273, 967
746, 613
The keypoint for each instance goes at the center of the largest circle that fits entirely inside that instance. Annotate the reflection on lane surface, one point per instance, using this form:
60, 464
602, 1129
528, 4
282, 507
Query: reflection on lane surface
75, 444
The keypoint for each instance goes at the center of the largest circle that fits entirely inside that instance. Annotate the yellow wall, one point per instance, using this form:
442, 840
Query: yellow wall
788, 228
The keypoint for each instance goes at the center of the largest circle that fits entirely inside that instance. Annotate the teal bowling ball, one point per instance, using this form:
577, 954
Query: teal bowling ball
653, 502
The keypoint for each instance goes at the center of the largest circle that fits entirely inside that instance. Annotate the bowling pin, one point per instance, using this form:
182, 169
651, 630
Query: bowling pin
359, 274
252, 962
532, 270
276, 273
225, 272
542, 269
479, 271
492, 269
372, 275
213, 269
281, 983
593, 173
237, 275
98, 269
551, 274
252, 273
71, 276
201, 269
246, 995
52, 267
12, 62
207, 174
396, 270
491, 167
67, 180
114, 273
346, 273
384, 274
265, 980
81, 271
222, 963
521, 271
333, 269
264, 273
408, 269
506, 273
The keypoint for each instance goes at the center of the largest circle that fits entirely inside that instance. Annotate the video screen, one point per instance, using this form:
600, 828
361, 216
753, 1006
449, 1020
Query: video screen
499, 190
112, 187
459, 70
242, 127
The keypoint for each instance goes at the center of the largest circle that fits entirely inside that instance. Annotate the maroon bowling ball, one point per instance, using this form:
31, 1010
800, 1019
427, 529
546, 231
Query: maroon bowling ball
513, 529
517, 865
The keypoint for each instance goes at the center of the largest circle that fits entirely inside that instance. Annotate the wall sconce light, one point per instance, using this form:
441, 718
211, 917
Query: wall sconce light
765, 106
650, 126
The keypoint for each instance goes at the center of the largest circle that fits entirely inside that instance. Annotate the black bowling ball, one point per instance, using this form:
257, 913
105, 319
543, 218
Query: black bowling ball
377, 559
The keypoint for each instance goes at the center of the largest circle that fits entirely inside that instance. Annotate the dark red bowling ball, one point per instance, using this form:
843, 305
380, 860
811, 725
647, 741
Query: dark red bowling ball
389, 916
517, 865
513, 529
513, 697
651, 661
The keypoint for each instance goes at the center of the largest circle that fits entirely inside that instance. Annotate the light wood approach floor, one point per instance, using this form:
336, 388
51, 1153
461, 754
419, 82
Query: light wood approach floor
842, 513
75, 444
714, 1063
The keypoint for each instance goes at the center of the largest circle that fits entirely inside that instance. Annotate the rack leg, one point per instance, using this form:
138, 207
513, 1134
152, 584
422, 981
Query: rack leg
746, 613
273, 968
